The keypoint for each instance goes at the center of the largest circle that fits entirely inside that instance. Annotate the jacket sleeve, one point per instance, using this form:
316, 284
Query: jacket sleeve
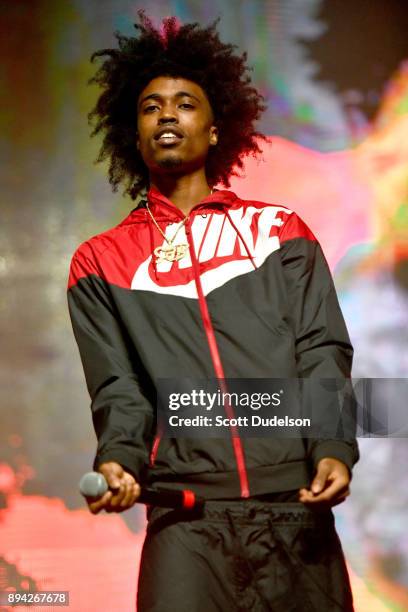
123, 417
322, 343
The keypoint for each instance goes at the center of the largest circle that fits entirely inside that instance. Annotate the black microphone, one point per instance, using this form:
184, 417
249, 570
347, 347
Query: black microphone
93, 484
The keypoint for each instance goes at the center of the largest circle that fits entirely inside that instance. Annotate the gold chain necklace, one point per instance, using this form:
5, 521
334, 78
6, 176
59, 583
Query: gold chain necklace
169, 251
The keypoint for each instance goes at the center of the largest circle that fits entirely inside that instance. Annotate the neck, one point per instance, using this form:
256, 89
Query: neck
184, 191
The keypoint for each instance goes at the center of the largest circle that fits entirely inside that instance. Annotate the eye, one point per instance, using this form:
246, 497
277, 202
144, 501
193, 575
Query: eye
149, 108
187, 104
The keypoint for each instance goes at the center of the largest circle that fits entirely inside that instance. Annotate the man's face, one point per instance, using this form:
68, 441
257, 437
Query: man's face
175, 126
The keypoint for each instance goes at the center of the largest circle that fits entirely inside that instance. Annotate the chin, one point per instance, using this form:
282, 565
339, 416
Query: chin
170, 162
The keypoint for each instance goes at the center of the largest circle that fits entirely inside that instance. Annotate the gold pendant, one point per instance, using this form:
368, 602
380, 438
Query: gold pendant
170, 252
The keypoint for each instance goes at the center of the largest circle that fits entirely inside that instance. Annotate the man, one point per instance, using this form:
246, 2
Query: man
198, 283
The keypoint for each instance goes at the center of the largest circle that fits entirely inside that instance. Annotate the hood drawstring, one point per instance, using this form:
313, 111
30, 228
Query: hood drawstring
241, 238
152, 248
143, 203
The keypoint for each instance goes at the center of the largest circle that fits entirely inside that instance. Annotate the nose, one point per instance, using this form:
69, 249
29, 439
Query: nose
167, 118
167, 115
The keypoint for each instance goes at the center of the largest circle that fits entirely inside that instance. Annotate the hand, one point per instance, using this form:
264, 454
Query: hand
127, 490
330, 485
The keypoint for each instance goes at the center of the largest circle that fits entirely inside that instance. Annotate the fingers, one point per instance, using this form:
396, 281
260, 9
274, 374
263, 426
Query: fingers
123, 490
329, 487
320, 480
334, 494
126, 495
132, 492
97, 505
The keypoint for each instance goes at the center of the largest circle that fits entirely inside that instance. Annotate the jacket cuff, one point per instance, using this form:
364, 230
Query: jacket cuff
133, 464
335, 449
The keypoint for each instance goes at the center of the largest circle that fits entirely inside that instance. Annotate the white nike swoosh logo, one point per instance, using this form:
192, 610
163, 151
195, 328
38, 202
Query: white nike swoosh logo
215, 277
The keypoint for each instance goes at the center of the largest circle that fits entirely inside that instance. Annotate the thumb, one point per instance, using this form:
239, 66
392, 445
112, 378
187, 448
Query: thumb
113, 473
319, 481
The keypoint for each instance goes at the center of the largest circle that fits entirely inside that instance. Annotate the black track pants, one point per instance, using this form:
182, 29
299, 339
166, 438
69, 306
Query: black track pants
245, 555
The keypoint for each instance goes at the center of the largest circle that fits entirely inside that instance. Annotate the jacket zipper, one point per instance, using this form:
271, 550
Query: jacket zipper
155, 448
219, 370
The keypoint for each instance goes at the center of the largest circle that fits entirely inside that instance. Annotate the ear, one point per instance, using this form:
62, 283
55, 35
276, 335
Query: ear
137, 141
213, 135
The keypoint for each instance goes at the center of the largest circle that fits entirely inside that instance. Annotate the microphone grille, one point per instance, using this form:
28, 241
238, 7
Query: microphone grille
93, 484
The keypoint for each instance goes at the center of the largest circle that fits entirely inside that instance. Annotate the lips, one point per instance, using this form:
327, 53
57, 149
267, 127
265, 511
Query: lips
168, 135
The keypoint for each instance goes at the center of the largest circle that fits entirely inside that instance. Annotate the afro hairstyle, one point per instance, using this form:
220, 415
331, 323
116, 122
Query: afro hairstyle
176, 50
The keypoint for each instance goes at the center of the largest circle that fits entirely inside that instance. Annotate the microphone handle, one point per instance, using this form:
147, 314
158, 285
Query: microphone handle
169, 498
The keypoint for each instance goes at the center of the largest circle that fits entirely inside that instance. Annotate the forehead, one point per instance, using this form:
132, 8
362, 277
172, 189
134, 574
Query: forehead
168, 86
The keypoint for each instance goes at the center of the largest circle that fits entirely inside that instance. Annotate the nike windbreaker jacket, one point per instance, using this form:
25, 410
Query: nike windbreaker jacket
252, 298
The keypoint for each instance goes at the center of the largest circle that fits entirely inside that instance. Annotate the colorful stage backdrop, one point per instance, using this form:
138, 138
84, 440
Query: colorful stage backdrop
335, 75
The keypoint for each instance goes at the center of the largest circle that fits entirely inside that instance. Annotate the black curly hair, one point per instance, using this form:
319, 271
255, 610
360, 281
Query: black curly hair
185, 51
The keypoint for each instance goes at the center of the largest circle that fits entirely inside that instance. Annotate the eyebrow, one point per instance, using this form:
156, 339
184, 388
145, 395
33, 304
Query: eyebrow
179, 94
